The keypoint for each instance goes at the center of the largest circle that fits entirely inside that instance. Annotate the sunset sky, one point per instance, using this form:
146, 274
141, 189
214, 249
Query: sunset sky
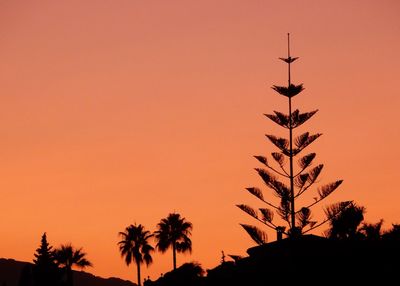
121, 111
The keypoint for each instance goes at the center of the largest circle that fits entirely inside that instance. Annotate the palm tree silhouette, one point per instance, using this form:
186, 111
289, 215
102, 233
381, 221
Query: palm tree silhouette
135, 246
174, 231
67, 256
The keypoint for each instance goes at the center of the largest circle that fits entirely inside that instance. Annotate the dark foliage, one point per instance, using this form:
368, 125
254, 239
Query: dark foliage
135, 247
45, 271
174, 232
288, 183
189, 274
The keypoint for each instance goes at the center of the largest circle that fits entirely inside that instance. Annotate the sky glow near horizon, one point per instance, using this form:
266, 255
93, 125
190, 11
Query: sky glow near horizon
115, 112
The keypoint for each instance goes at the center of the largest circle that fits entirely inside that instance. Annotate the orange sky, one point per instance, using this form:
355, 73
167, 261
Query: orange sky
115, 112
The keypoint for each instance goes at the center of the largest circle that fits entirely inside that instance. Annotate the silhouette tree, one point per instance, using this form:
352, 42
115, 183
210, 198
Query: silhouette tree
45, 268
347, 223
187, 274
298, 180
371, 231
393, 233
173, 232
135, 247
26, 276
68, 257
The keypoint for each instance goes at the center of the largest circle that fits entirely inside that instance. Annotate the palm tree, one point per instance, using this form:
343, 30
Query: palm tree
174, 231
67, 256
135, 246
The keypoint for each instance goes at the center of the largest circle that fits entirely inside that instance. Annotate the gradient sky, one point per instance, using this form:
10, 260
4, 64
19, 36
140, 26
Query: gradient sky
115, 112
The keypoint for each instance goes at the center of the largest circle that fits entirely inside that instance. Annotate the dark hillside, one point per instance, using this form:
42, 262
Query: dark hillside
10, 271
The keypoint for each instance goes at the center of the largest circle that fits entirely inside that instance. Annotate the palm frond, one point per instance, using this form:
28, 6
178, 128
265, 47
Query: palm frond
256, 192
134, 246
248, 209
290, 91
173, 230
258, 236
184, 245
327, 189
267, 215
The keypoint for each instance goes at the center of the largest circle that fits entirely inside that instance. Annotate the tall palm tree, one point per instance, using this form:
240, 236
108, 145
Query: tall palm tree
67, 256
135, 246
174, 231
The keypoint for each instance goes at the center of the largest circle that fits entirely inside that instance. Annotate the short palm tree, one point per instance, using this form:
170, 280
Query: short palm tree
135, 247
67, 256
174, 231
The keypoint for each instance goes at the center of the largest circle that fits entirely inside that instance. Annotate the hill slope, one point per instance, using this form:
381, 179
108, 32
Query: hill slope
10, 271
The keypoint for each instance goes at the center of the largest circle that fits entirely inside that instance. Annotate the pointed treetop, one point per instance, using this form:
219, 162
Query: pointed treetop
289, 59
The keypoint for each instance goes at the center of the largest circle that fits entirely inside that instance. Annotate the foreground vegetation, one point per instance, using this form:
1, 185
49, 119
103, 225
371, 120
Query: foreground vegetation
350, 249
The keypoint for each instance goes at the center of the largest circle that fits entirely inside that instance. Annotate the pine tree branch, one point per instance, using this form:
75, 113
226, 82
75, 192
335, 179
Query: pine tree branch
305, 139
343, 206
300, 118
259, 236
280, 188
290, 91
280, 159
253, 213
312, 178
323, 194
305, 162
264, 161
281, 143
268, 224
257, 193
279, 173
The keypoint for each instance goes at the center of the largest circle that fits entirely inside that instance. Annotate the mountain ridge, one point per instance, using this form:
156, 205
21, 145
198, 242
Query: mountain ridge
10, 272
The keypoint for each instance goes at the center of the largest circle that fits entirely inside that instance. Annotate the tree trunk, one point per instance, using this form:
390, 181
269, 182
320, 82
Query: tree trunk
174, 254
138, 274
70, 281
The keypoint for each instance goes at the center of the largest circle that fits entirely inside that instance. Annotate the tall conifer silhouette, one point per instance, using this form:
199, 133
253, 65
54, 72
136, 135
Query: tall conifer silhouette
45, 271
289, 182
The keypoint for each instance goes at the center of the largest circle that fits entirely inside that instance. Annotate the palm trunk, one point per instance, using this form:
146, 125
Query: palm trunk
138, 274
70, 281
174, 254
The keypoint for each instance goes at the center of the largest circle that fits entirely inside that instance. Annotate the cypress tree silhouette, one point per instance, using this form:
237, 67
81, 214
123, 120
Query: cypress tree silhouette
44, 254
45, 271
300, 180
